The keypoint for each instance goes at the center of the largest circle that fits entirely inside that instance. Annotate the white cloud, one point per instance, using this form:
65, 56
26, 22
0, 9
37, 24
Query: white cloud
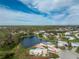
73, 17
15, 17
48, 5
57, 17
9, 17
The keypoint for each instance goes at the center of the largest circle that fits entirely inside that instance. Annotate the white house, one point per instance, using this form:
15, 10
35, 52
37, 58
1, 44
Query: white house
71, 38
75, 44
41, 31
67, 33
62, 43
38, 52
77, 35
36, 32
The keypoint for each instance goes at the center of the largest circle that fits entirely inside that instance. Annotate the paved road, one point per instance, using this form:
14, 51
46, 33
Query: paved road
69, 55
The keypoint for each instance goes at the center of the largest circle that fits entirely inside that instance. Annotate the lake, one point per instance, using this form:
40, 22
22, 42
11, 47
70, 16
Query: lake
30, 41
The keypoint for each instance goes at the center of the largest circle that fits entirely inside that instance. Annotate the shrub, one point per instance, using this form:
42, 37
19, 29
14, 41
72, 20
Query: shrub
52, 55
8, 56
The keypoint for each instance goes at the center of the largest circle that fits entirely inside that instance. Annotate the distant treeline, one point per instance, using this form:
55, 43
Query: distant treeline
38, 27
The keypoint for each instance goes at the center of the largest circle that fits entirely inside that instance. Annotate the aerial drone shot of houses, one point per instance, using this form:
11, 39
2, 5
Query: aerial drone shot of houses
39, 42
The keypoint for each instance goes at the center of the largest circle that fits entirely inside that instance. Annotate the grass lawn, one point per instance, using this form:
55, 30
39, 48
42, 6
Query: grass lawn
20, 52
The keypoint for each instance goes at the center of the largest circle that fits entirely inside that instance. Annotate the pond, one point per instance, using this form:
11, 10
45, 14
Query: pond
31, 41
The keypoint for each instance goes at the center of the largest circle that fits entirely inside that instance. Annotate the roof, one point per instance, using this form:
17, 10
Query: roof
75, 44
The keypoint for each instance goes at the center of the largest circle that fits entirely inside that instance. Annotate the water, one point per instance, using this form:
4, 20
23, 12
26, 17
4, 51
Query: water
30, 41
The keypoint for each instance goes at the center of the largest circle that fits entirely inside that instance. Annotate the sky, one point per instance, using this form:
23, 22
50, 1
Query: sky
39, 12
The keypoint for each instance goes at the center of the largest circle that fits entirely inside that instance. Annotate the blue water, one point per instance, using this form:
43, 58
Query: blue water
31, 41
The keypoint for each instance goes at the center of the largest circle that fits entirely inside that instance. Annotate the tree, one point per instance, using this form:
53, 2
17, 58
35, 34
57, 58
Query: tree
8, 56
53, 55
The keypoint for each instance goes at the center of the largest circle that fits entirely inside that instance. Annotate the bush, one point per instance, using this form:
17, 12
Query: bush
8, 56
52, 55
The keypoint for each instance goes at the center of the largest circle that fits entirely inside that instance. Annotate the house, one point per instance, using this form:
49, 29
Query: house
67, 33
51, 48
62, 43
40, 45
77, 35
24, 32
45, 35
41, 31
38, 52
36, 32
75, 44
51, 33
70, 37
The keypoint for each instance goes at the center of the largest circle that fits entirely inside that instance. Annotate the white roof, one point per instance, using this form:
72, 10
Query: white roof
75, 44
61, 43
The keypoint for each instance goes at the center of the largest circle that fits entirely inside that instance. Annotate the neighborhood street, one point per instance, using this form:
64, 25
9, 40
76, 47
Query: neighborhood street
69, 55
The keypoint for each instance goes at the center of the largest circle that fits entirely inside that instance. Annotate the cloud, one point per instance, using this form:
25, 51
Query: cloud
73, 17
19, 6
57, 10
48, 5
14, 17
64, 12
